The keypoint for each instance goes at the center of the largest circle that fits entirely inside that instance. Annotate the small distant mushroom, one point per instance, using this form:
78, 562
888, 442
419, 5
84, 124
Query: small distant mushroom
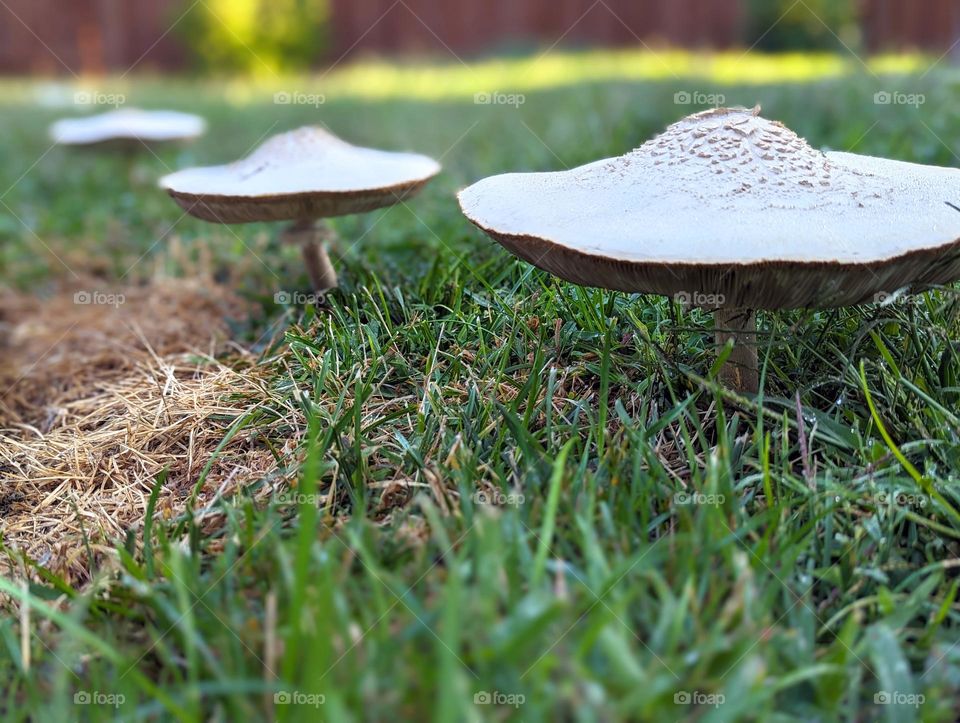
731, 212
128, 128
302, 176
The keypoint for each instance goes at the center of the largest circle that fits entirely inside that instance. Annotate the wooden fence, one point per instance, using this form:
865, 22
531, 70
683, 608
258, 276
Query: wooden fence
470, 27
78, 36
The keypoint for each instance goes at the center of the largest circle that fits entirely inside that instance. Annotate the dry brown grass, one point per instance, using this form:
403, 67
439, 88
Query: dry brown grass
96, 401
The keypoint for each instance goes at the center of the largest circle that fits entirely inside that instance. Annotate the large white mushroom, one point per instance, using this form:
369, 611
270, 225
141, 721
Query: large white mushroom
302, 176
729, 211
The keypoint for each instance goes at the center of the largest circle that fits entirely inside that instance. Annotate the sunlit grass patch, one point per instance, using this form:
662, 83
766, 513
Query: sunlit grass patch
377, 79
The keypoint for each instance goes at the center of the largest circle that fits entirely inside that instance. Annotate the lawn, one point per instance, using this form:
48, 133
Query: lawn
511, 498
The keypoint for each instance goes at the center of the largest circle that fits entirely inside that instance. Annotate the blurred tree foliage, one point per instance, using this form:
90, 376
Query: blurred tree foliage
807, 25
255, 36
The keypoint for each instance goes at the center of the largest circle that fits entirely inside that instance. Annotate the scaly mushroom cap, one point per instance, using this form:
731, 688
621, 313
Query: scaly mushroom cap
726, 208
128, 124
305, 174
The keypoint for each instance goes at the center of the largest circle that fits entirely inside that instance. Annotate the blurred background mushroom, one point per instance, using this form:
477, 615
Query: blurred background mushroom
128, 128
731, 212
302, 176
129, 132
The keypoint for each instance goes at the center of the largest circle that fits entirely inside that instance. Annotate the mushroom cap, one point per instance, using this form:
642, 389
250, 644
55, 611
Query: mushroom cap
728, 209
128, 124
304, 174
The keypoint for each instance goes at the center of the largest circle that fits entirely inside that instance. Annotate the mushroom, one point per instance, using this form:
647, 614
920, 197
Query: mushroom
731, 212
302, 176
128, 128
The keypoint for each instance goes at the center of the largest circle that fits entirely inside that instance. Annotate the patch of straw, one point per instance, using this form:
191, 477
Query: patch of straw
97, 401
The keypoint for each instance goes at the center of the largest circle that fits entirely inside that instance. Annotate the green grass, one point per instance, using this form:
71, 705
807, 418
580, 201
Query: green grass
811, 575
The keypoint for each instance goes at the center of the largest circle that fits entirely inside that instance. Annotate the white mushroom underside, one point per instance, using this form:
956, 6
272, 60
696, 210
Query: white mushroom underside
308, 160
728, 188
129, 124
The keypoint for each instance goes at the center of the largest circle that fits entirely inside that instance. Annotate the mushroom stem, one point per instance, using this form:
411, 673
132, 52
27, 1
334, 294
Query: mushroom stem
741, 370
312, 237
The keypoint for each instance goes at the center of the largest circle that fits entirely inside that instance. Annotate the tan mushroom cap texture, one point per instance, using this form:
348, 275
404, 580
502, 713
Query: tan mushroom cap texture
304, 174
128, 124
728, 209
